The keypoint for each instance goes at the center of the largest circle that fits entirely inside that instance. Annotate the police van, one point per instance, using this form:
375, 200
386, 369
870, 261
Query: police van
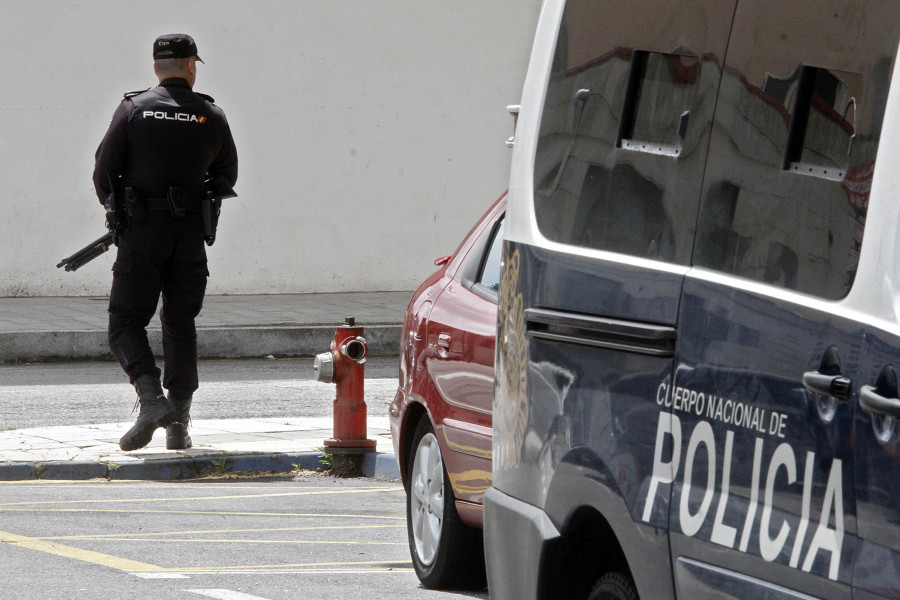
699, 325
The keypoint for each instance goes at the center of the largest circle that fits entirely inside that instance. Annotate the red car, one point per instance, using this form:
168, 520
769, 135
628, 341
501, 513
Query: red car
441, 416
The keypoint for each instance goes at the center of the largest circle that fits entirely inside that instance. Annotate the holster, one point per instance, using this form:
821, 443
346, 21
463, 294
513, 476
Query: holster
135, 205
116, 219
179, 199
210, 208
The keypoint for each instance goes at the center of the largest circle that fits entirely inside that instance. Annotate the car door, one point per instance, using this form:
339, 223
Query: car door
461, 333
768, 350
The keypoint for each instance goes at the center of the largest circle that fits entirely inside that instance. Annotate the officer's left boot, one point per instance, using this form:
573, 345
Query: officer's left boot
156, 410
177, 437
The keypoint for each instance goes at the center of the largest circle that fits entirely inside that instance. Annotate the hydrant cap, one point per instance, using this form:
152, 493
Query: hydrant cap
323, 365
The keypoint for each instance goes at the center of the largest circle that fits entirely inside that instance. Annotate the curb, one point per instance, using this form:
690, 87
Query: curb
375, 464
212, 342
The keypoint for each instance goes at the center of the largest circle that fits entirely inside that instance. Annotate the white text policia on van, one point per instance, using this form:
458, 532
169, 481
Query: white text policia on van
781, 464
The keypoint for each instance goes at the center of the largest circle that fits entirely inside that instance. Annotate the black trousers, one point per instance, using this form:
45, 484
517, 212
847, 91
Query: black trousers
162, 256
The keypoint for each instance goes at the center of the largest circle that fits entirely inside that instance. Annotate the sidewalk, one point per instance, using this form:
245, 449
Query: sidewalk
74, 328
219, 446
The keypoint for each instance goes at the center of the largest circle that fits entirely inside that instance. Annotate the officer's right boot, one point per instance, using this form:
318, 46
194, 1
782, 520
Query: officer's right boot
177, 437
156, 410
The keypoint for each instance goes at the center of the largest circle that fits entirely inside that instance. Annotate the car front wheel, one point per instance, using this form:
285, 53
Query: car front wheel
446, 553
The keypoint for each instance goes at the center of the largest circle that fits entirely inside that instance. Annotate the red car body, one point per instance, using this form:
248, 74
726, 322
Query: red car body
447, 364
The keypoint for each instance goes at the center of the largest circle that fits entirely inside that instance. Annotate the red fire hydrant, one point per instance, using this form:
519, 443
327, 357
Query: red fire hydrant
344, 366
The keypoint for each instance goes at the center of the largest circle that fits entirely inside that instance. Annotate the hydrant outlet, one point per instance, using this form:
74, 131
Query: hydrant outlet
323, 365
355, 349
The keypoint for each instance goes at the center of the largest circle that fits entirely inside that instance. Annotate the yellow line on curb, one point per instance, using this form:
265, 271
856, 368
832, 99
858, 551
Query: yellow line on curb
97, 558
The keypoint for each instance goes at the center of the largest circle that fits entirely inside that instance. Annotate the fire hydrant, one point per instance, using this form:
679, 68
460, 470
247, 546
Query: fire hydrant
344, 366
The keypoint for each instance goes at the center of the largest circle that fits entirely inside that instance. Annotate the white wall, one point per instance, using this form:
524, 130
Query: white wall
370, 133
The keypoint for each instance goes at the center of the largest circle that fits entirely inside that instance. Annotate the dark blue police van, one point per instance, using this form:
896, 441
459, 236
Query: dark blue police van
699, 327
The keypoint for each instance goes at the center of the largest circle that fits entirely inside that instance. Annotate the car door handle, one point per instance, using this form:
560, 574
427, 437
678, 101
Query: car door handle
443, 343
874, 403
837, 386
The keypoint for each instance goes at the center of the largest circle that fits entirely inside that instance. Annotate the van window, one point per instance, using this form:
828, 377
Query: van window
792, 156
623, 137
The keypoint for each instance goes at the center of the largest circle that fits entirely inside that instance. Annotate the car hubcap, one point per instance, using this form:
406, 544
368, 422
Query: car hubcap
427, 498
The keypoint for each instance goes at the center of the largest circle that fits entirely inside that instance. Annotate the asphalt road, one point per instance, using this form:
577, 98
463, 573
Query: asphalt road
313, 537
41, 395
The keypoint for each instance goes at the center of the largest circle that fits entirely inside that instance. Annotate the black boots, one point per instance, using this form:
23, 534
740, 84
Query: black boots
177, 437
156, 411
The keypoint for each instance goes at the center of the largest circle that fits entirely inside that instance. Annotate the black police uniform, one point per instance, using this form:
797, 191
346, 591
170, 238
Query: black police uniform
165, 137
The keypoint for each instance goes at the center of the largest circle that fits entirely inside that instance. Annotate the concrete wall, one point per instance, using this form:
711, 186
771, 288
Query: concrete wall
370, 133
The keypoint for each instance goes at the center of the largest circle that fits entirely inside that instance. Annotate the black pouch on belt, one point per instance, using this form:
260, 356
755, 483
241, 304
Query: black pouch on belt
178, 201
135, 205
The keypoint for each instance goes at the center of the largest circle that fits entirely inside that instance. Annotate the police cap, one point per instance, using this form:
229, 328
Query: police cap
175, 45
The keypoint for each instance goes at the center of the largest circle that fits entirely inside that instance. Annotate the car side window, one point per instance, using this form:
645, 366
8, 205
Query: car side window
491, 262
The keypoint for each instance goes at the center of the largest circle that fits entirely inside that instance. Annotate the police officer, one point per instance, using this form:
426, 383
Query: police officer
161, 146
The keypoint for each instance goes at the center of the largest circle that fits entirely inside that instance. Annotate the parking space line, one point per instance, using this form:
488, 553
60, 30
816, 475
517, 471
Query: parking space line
225, 497
239, 541
368, 564
225, 595
137, 568
101, 536
204, 512
97, 558
372, 571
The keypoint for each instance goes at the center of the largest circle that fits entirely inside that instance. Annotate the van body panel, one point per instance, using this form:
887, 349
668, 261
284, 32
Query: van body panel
766, 468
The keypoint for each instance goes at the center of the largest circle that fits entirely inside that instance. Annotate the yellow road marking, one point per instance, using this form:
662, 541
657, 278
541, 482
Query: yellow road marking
369, 563
97, 558
202, 531
199, 512
133, 566
232, 541
228, 497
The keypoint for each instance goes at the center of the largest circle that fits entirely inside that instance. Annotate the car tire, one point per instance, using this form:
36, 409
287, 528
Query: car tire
614, 586
446, 553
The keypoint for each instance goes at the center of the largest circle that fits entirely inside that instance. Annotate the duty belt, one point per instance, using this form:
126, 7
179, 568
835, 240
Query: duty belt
162, 203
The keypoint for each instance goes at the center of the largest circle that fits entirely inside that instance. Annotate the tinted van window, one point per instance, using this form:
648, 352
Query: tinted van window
793, 152
624, 133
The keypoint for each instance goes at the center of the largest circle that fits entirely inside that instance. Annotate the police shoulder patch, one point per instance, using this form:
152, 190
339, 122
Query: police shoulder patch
135, 93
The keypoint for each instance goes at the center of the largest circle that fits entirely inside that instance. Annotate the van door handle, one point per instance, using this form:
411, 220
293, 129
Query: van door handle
874, 403
881, 398
828, 380
836, 386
